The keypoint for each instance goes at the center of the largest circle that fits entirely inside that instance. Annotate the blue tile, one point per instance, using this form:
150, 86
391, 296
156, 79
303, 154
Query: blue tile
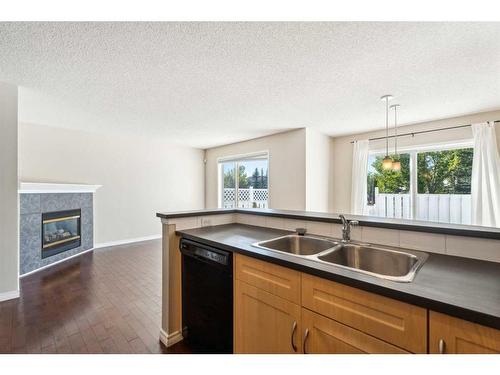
29, 203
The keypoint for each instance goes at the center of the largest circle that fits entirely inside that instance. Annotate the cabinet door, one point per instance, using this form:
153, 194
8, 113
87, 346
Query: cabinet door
456, 336
326, 336
264, 323
398, 323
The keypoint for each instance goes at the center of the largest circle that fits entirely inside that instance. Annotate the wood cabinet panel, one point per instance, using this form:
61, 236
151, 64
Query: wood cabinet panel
277, 280
395, 322
461, 337
263, 322
326, 336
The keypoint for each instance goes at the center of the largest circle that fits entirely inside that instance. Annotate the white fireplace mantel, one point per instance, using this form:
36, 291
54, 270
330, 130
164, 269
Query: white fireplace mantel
42, 187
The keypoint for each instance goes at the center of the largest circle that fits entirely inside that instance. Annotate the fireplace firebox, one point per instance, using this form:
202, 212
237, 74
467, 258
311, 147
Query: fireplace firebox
61, 231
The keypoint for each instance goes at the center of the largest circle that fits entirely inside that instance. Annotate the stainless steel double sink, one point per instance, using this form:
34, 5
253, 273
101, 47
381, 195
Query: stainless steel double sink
379, 261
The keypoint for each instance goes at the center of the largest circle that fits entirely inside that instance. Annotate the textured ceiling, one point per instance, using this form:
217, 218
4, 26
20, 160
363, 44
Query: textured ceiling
206, 84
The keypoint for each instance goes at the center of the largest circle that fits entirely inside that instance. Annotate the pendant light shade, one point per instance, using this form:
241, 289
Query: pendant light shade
387, 162
396, 164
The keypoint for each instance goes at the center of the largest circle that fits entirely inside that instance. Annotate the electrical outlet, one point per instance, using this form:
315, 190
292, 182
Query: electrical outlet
205, 222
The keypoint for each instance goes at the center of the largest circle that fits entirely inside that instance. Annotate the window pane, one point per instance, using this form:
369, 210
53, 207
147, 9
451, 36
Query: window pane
445, 172
444, 186
253, 183
388, 181
388, 191
229, 185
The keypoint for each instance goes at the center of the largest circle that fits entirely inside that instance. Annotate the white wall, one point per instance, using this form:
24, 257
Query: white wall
140, 176
287, 168
9, 207
341, 150
317, 170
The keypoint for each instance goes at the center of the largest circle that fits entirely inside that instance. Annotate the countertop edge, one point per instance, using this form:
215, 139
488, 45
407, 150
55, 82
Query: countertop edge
417, 226
438, 306
181, 214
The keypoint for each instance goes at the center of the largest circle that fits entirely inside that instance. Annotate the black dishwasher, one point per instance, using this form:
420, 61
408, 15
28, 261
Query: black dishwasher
207, 297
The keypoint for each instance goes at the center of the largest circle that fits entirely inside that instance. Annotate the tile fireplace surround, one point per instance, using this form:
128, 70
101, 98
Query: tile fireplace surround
36, 199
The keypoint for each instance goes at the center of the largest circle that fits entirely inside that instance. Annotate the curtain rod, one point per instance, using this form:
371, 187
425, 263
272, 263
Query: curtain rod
423, 131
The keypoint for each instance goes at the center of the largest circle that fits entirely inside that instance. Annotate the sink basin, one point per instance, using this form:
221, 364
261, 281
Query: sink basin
381, 262
298, 245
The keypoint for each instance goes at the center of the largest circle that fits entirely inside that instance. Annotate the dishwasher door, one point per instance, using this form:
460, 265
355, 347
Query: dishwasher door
207, 298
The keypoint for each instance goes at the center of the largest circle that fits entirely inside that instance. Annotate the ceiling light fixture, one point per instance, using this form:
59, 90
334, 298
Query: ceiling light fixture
387, 162
396, 164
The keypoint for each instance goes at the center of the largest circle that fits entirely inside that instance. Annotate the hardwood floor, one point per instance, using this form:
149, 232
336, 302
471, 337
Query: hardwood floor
106, 301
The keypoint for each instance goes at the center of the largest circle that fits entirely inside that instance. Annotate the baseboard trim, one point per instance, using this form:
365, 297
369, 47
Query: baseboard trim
127, 241
170, 339
9, 295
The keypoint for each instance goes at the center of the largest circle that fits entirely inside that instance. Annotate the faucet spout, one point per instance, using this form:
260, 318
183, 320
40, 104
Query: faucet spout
346, 228
344, 220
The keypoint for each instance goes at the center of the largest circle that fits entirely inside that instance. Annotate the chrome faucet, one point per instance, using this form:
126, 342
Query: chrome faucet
346, 228
301, 231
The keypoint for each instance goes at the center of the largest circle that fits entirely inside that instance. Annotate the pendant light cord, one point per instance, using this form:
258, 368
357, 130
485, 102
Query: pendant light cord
387, 126
396, 130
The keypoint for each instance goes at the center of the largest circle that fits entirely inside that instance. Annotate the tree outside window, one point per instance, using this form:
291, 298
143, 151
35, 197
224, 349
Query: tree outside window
445, 172
229, 181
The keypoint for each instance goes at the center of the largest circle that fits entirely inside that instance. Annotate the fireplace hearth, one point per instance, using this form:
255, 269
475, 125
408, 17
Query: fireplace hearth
61, 231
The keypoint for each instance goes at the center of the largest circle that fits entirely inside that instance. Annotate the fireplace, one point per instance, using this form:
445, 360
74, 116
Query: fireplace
61, 231
56, 222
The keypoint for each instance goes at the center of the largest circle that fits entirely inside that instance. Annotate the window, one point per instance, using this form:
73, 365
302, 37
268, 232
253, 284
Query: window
244, 182
434, 184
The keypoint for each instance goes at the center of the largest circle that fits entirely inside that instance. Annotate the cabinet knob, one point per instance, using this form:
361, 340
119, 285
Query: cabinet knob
292, 341
306, 335
441, 346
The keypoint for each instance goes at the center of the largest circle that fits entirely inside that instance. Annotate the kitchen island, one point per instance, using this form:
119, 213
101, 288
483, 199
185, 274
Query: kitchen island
445, 286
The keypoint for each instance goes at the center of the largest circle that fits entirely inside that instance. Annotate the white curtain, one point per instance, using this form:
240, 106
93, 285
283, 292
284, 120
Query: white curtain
485, 184
359, 174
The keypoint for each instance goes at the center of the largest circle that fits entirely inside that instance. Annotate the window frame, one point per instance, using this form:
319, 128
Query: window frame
236, 159
413, 151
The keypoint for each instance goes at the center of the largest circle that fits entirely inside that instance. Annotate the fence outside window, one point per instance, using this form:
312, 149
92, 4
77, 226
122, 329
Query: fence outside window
444, 208
247, 198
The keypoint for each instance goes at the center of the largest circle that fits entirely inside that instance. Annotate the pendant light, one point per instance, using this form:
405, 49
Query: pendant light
387, 162
396, 164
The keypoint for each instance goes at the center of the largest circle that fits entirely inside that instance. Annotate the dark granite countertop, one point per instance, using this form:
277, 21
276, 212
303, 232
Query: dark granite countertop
367, 221
461, 287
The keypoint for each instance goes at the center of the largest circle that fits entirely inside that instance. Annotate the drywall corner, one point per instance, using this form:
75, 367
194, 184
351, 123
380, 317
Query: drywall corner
317, 175
9, 203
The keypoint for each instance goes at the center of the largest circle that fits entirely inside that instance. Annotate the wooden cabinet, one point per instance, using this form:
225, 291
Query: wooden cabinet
450, 335
279, 310
326, 336
395, 322
263, 322
269, 314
